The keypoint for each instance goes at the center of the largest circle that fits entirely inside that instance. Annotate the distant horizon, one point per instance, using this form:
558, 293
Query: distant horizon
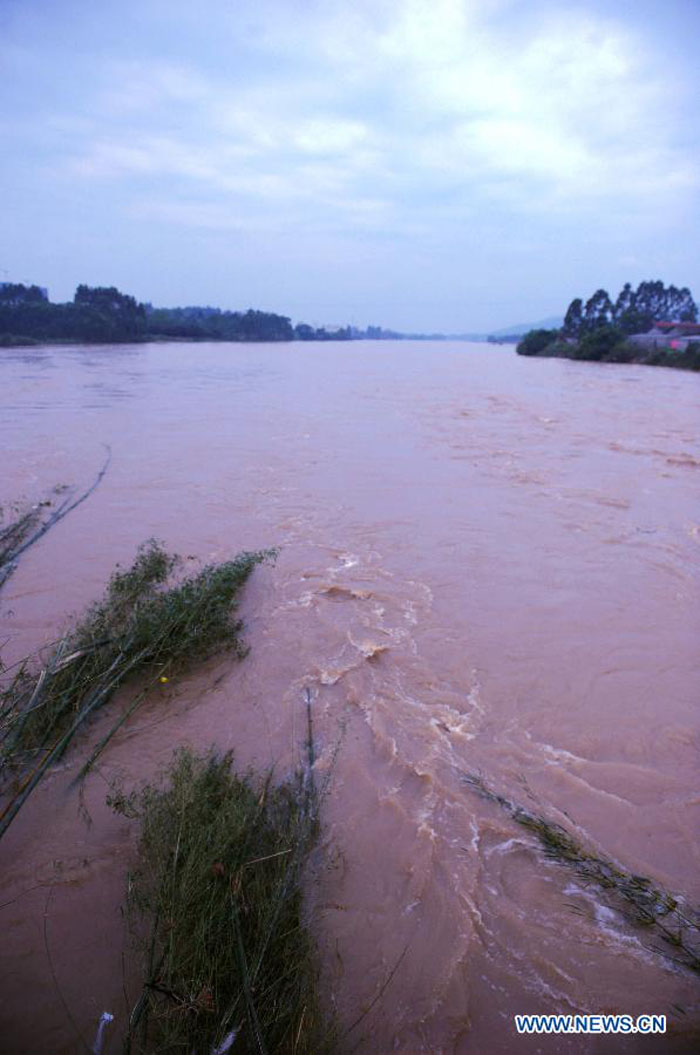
424, 165
504, 332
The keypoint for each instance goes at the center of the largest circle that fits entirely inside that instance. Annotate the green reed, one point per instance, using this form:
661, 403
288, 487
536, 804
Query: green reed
139, 628
215, 897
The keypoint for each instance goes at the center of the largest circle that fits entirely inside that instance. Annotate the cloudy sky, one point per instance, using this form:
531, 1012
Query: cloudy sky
419, 164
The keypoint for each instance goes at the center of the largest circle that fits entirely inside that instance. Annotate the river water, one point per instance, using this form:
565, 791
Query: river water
488, 564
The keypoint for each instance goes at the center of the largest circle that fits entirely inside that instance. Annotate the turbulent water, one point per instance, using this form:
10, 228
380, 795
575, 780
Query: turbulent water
488, 564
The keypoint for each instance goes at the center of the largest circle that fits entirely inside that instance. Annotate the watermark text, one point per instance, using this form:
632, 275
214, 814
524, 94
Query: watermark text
590, 1023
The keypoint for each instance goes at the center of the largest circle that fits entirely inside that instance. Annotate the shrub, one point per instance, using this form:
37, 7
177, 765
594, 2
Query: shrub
534, 342
599, 344
685, 360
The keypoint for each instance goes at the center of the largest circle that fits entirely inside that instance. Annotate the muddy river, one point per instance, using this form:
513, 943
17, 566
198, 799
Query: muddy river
487, 564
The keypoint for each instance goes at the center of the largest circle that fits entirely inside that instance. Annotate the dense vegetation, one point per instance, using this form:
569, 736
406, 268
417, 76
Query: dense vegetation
95, 315
215, 893
104, 315
600, 329
217, 325
215, 898
634, 311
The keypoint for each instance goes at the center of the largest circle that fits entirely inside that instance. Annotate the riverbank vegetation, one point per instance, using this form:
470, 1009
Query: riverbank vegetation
141, 628
103, 315
214, 896
605, 331
216, 905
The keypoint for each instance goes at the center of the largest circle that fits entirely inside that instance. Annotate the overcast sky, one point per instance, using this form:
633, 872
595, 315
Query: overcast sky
418, 164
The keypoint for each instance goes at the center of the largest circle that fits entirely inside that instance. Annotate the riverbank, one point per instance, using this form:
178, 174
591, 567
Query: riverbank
11, 340
548, 346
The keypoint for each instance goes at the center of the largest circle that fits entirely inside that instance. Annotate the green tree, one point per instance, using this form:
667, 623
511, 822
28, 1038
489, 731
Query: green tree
16, 293
102, 313
624, 313
598, 311
682, 307
650, 303
573, 320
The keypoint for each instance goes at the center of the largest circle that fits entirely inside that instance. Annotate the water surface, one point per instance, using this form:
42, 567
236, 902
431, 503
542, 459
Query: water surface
487, 564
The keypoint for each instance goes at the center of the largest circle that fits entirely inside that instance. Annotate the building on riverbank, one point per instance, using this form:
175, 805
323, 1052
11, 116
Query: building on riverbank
674, 335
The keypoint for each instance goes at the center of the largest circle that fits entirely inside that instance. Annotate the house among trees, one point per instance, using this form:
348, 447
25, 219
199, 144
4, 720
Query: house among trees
653, 324
674, 335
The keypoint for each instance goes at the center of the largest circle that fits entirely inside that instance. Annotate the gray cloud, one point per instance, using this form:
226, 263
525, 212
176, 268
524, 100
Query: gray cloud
474, 132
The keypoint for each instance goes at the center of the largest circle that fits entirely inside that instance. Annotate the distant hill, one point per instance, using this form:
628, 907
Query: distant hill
554, 322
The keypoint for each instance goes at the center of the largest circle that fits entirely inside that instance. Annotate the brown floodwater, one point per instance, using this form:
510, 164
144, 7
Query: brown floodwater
488, 564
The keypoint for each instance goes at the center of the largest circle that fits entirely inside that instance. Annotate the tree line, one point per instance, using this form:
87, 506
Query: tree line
101, 314
213, 324
634, 311
95, 314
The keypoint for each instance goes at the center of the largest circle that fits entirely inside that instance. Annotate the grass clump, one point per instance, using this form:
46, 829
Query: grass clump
228, 963
638, 897
139, 627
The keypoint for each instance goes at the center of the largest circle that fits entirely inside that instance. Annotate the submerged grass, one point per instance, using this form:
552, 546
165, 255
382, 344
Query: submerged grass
139, 627
12, 537
641, 901
228, 963
31, 525
13, 534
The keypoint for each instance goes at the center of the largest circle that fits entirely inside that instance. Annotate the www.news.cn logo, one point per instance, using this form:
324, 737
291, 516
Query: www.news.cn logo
590, 1024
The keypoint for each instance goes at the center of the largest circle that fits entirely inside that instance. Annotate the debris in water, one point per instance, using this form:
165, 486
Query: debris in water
638, 897
105, 1019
